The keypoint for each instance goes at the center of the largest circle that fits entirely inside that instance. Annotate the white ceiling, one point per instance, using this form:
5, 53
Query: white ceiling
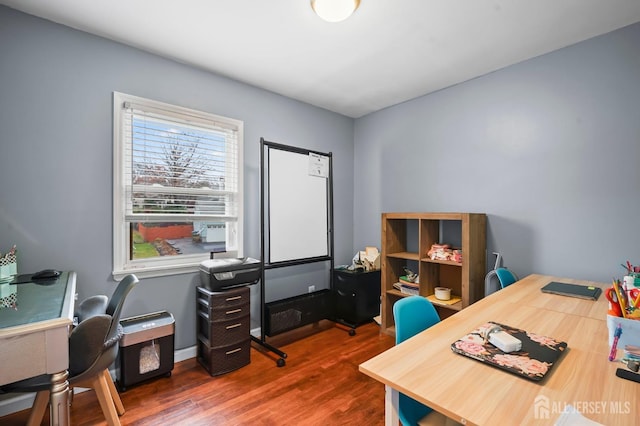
388, 52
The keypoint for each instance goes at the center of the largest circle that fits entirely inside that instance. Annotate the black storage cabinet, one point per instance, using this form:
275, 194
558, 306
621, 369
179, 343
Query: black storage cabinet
146, 348
223, 329
356, 296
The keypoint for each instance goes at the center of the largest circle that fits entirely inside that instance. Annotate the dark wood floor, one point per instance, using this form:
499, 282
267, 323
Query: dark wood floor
319, 385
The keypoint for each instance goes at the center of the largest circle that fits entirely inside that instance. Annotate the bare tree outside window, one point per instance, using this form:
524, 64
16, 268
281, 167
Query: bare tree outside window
165, 159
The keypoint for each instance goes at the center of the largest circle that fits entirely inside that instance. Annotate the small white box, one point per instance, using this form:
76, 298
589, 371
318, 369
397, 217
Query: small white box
505, 341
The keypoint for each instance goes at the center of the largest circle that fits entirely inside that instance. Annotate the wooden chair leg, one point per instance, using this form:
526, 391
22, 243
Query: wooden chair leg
38, 409
105, 399
114, 393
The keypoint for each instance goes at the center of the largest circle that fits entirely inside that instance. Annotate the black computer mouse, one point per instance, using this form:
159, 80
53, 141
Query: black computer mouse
46, 274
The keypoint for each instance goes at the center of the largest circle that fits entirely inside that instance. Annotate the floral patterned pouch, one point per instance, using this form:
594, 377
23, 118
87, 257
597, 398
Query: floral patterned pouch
535, 359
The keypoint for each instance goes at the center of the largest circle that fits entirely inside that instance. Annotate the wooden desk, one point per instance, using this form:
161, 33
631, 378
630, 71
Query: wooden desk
34, 338
470, 392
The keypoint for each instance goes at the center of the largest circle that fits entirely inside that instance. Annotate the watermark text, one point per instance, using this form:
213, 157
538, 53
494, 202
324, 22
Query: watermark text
545, 408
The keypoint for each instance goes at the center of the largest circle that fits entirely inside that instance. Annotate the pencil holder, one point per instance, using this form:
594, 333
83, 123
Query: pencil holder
630, 331
8, 266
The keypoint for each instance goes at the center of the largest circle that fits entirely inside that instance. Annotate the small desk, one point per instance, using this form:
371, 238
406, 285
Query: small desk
34, 338
470, 392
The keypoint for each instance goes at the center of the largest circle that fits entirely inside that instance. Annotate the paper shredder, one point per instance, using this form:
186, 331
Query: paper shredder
146, 348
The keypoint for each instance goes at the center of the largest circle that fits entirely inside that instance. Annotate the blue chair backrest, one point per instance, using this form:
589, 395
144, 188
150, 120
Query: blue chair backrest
412, 315
506, 277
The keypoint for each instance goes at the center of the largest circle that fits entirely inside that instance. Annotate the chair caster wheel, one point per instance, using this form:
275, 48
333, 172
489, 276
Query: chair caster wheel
280, 362
352, 332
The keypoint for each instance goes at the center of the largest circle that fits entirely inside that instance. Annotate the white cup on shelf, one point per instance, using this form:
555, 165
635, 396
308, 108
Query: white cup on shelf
443, 293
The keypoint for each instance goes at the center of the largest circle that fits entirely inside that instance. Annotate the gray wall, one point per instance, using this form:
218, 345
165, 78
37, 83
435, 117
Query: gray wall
548, 148
56, 89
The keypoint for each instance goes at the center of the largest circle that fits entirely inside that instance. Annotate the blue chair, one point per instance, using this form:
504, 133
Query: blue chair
412, 315
506, 277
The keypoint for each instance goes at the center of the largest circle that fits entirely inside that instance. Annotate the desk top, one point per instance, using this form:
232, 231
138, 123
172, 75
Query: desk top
467, 390
36, 303
34, 338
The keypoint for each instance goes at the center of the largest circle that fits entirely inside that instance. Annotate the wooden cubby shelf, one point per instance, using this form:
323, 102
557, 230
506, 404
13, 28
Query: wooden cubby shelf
406, 239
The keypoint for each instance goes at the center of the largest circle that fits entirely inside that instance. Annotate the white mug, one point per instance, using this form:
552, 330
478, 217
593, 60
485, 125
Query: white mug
443, 293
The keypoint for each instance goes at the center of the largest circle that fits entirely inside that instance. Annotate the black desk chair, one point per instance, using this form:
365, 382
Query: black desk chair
93, 347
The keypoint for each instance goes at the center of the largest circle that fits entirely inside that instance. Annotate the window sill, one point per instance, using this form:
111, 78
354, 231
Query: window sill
162, 271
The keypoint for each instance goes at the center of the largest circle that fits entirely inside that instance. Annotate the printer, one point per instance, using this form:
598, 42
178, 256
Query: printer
223, 274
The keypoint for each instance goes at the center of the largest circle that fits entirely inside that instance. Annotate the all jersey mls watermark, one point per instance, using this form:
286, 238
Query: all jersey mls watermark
545, 408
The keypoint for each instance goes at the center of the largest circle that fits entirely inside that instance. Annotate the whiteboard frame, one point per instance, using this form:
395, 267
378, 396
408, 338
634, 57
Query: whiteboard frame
264, 231
271, 217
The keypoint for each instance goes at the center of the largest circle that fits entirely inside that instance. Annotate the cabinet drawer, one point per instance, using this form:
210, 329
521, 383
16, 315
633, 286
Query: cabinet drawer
223, 313
224, 359
223, 333
231, 298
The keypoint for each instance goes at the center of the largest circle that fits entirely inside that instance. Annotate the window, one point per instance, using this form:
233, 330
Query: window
177, 192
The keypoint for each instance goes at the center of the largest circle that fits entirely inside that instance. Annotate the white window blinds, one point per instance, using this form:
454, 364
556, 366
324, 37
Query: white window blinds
179, 165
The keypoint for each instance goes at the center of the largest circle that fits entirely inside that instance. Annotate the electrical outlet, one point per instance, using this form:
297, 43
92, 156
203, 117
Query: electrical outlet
312, 288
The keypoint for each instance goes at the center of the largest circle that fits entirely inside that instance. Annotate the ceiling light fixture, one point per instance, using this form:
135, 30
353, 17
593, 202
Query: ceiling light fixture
334, 10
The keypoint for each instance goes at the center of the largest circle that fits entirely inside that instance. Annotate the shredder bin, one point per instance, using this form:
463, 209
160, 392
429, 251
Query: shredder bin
146, 348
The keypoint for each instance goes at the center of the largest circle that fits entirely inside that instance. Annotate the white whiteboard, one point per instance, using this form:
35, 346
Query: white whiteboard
297, 208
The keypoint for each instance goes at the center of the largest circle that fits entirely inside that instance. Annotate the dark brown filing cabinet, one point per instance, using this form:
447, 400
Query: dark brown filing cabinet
224, 335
